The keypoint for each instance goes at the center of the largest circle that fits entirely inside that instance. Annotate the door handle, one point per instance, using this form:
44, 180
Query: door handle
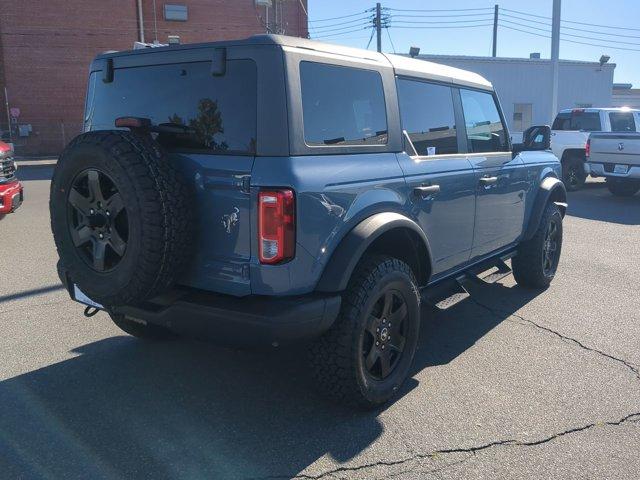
488, 180
426, 190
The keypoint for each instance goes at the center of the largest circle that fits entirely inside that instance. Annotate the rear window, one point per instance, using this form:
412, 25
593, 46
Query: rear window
210, 114
622, 122
342, 105
578, 120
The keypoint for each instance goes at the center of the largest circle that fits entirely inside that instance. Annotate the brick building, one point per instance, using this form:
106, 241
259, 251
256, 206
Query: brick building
46, 48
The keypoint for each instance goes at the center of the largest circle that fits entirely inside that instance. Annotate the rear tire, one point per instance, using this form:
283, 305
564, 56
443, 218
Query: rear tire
537, 260
623, 187
366, 356
573, 174
145, 331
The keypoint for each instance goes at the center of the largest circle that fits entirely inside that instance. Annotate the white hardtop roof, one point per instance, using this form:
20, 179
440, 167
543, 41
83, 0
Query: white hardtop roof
436, 71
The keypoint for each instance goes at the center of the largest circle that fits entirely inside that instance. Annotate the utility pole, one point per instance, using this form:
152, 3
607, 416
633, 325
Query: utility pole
379, 26
495, 30
555, 55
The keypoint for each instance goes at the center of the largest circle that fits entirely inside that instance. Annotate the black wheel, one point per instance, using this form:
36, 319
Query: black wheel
146, 331
537, 260
573, 174
366, 356
121, 217
623, 187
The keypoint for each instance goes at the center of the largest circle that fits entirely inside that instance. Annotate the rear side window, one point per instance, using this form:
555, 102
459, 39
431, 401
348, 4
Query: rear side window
428, 117
342, 105
209, 114
485, 131
578, 120
622, 122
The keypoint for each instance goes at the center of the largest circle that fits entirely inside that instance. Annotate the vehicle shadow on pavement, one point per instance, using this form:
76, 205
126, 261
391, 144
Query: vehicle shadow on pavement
125, 408
595, 202
27, 173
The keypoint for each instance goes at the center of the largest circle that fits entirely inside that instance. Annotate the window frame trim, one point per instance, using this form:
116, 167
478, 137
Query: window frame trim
496, 101
461, 142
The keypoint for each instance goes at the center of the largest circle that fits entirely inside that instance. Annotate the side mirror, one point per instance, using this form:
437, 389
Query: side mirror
534, 138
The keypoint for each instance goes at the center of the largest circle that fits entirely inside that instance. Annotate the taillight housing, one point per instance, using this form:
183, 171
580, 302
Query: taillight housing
587, 148
276, 225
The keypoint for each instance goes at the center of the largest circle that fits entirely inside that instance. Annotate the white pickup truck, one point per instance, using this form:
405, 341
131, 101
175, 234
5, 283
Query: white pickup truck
615, 156
570, 132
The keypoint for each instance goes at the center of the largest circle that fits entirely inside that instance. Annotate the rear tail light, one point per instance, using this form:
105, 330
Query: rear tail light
587, 148
276, 225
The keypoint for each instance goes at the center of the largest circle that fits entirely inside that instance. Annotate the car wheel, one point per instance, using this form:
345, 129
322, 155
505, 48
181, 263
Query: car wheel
142, 330
537, 259
573, 174
623, 187
366, 356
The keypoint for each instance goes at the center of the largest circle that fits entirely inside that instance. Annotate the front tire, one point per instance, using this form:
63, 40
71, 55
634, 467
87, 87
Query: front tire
623, 187
366, 356
537, 260
573, 174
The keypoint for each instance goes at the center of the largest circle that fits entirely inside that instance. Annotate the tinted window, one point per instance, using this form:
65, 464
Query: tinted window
208, 113
578, 120
485, 131
622, 122
342, 105
427, 116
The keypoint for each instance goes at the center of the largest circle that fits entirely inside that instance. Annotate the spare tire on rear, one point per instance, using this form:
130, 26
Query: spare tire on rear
120, 216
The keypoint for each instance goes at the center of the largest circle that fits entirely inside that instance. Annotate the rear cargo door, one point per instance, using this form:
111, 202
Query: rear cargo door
212, 139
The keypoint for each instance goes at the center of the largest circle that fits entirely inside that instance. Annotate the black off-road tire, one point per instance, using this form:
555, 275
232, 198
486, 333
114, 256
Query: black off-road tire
337, 357
158, 209
145, 331
623, 187
528, 264
573, 174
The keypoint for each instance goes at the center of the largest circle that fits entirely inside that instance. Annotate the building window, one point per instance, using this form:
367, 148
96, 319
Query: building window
177, 13
521, 116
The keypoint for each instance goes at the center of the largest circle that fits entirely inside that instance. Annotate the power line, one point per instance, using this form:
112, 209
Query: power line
401, 22
362, 25
390, 40
573, 35
341, 33
570, 28
339, 18
572, 21
571, 41
350, 22
438, 10
451, 26
444, 16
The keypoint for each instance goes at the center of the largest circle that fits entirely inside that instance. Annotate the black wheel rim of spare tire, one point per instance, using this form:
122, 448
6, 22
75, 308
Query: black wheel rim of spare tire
97, 219
385, 334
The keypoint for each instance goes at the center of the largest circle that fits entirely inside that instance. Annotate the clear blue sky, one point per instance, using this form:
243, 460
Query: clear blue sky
477, 40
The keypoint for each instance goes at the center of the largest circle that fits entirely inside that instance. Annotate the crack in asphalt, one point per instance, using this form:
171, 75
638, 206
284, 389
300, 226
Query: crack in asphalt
498, 313
632, 417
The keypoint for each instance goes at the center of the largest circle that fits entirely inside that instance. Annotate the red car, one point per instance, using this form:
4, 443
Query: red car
11, 193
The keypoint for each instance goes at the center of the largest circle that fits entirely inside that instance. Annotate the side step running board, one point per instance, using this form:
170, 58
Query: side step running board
448, 293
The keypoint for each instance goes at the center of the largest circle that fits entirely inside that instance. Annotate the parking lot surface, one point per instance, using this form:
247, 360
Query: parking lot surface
509, 383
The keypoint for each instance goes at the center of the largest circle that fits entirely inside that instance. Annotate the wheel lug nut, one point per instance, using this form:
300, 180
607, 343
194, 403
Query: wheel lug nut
377, 343
92, 211
382, 347
101, 236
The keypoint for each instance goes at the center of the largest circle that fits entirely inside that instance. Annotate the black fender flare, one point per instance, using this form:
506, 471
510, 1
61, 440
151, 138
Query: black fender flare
550, 189
349, 251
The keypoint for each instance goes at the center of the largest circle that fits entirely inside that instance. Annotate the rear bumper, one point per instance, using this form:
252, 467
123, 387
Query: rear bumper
11, 197
251, 320
600, 170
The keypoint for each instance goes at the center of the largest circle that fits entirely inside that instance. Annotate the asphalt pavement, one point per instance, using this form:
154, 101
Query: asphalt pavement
509, 383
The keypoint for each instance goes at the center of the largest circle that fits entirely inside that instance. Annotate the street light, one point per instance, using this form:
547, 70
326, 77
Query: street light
414, 51
604, 59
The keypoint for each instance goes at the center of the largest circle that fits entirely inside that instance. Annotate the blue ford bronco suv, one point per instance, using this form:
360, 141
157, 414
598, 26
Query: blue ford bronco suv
277, 189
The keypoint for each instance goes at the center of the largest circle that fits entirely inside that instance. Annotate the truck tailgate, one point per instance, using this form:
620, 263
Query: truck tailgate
615, 148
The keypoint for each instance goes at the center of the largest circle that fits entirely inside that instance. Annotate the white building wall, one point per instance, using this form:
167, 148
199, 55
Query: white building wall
529, 81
